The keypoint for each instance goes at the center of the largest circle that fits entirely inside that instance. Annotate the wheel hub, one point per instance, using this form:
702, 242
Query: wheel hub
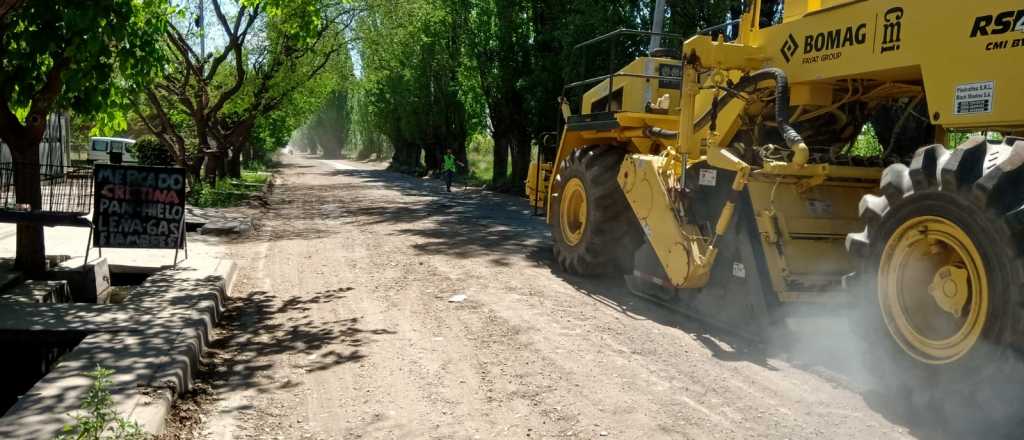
950, 289
573, 211
933, 289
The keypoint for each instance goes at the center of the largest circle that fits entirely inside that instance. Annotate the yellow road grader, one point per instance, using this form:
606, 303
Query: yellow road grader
727, 178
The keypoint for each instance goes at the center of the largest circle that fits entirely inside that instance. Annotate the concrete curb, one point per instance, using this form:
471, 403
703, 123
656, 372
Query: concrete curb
153, 342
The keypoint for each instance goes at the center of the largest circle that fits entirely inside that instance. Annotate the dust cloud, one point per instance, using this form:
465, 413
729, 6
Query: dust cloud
984, 399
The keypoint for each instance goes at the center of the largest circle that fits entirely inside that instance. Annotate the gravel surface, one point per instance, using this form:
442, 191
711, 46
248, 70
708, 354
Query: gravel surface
345, 323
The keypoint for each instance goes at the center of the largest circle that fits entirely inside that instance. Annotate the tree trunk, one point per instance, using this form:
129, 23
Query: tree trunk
501, 141
222, 164
248, 154
235, 163
31, 250
433, 157
521, 150
212, 167
196, 167
406, 158
329, 151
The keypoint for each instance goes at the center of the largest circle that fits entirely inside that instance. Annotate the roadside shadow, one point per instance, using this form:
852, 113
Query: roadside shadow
258, 328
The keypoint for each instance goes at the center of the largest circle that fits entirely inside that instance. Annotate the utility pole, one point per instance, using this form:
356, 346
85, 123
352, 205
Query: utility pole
658, 24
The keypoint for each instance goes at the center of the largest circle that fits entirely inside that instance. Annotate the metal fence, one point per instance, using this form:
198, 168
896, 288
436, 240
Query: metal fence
66, 190
55, 146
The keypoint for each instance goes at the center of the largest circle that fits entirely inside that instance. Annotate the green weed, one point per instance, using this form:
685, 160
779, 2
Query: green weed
98, 419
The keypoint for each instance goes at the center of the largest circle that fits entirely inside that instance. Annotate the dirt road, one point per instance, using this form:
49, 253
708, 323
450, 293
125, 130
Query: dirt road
342, 328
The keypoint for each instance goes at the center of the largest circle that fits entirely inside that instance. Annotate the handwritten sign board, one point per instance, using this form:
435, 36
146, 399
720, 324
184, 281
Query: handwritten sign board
139, 207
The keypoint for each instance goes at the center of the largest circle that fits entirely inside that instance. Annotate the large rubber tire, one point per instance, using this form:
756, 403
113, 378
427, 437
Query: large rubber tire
609, 236
979, 188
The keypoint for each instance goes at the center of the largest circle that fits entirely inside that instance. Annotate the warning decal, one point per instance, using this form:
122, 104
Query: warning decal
973, 98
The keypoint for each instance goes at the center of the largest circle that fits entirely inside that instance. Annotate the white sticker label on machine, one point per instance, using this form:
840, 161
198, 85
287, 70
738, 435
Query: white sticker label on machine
974, 98
708, 177
738, 270
819, 208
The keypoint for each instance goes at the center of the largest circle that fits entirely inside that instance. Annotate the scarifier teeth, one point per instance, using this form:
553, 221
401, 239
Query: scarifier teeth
924, 169
896, 183
872, 208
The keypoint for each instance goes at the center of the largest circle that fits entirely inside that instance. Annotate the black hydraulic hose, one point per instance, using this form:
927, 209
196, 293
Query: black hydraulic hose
661, 133
792, 138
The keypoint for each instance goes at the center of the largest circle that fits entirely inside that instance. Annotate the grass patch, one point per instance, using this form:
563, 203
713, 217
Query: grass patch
258, 177
228, 192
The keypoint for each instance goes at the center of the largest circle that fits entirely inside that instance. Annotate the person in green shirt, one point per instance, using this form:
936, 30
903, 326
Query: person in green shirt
448, 167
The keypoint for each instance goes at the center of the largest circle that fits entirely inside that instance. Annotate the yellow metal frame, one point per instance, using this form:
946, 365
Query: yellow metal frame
834, 52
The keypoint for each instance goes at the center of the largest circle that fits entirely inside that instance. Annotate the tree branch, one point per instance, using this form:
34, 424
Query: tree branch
7, 6
11, 130
167, 128
44, 98
235, 38
236, 43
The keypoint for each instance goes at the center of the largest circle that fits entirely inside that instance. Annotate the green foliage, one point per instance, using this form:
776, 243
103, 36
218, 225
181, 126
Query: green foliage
867, 144
411, 53
328, 130
151, 152
954, 139
435, 71
481, 160
223, 194
75, 55
316, 106
316, 115
365, 140
98, 419
273, 65
100, 50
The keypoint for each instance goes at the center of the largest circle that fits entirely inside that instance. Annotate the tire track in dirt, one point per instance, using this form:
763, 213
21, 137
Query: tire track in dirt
352, 334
